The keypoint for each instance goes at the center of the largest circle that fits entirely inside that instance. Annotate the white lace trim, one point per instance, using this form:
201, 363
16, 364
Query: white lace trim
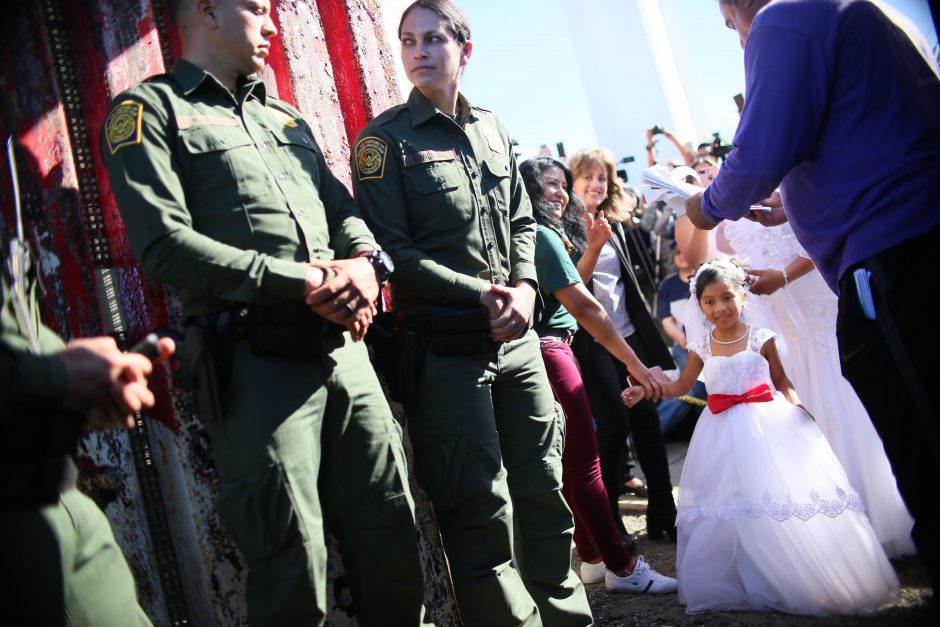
738, 506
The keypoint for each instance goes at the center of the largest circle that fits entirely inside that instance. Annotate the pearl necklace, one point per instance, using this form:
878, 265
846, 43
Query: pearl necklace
717, 341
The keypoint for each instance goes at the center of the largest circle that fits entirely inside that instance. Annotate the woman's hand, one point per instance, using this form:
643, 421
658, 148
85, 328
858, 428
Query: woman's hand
651, 380
767, 281
597, 230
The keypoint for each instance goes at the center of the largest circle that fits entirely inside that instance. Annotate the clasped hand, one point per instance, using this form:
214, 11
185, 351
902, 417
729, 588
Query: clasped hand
348, 298
509, 309
650, 384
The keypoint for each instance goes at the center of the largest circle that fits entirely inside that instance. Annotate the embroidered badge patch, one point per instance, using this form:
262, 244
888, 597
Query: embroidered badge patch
122, 128
370, 158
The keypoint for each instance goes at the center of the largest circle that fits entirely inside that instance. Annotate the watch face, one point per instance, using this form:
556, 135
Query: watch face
387, 260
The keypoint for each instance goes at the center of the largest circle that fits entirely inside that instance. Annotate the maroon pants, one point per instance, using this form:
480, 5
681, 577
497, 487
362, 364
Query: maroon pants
595, 535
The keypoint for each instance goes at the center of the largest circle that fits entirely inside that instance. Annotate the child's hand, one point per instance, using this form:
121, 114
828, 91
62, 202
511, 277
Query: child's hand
632, 395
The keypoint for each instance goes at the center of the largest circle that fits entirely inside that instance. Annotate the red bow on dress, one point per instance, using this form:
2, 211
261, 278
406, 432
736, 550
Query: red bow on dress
717, 403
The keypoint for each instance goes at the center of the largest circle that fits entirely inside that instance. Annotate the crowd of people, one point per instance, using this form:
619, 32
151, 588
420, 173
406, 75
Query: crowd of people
519, 337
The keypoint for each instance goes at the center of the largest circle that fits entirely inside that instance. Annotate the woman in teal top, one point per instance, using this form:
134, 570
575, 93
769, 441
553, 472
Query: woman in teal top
568, 303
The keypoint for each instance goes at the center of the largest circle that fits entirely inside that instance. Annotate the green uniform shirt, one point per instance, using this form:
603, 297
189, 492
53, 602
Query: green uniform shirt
555, 271
224, 194
444, 198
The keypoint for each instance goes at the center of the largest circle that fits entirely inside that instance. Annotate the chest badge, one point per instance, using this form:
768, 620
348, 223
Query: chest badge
370, 158
122, 128
282, 117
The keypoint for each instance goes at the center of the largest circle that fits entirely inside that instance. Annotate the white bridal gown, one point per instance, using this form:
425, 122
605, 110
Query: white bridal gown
805, 312
767, 519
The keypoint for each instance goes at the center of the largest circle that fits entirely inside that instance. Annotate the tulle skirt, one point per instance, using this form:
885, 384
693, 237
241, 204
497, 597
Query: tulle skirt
812, 364
768, 521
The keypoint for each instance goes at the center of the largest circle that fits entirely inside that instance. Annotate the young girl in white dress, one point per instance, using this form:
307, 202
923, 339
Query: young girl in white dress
805, 313
766, 517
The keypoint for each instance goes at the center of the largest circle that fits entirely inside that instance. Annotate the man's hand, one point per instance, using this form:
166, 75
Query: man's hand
597, 230
348, 298
108, 386
693, 210
775, 217
513, 319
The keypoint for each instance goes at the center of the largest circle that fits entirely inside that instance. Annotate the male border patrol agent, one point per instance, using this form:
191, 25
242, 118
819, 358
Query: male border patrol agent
438, 184
226, 195
59, 562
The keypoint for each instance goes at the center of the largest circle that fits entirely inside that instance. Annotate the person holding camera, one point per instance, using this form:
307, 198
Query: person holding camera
687, 157
226, 195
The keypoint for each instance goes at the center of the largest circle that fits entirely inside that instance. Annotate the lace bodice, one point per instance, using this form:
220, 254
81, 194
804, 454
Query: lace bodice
758, 246
738, 373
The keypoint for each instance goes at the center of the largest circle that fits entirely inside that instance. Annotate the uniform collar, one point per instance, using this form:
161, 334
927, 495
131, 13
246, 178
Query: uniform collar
423, 109
190, 76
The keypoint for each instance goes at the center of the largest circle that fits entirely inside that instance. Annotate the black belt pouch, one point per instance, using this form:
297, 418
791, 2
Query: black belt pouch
460, 331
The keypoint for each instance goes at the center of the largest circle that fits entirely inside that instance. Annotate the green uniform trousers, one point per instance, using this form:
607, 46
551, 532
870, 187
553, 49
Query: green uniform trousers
304, 439
60, 565
488, 439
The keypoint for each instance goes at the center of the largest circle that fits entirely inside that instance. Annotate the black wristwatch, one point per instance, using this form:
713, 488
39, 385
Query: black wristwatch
381, 263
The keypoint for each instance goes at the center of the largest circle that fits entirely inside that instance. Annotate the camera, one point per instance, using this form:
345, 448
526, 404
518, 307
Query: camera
719, 149
657, 130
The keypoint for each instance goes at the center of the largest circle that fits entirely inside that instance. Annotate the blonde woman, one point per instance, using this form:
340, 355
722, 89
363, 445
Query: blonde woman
606, 268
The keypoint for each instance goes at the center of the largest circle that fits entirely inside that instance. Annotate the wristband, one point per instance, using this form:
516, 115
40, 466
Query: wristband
786, 279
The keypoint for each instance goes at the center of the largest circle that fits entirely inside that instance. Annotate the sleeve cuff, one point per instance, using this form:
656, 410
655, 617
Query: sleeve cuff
469, 289
45, 379
524, 272
287, 279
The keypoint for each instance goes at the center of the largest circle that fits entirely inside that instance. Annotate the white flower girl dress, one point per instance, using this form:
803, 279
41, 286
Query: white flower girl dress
766, 516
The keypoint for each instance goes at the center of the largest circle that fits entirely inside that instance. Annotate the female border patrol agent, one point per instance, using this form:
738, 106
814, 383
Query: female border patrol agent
438, 185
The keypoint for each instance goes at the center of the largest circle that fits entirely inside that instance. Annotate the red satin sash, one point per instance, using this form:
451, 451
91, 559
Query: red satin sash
717, 403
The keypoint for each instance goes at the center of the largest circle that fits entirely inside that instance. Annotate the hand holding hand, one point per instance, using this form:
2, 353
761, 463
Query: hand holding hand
348, 298
650, 380
597, 230
632, 395
513, 320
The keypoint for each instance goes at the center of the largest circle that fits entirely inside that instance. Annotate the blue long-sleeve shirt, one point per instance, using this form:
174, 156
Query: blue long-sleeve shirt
844, 111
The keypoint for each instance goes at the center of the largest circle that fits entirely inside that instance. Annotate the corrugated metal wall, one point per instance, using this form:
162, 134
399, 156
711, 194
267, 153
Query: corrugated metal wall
61, 63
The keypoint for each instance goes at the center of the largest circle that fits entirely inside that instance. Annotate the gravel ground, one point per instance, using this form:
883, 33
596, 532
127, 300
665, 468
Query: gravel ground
914, 607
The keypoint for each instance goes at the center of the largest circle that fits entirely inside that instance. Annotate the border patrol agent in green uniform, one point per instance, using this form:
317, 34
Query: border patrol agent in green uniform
437, 183
59, 561
226, 195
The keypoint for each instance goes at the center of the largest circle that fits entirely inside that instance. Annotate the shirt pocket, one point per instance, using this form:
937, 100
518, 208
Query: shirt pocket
437, 194
496, 177
225, 167
299, 151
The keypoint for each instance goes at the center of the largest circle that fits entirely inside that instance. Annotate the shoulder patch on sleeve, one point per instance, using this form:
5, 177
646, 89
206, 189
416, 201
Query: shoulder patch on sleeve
370, 157
122, 128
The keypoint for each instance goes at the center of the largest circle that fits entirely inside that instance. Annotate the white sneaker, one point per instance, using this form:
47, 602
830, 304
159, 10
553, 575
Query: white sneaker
593, 573
643, 579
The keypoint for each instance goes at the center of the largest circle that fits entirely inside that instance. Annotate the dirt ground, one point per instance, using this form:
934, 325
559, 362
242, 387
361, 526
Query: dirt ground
914, 607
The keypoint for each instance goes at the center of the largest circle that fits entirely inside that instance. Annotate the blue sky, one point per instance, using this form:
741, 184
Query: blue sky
524, 68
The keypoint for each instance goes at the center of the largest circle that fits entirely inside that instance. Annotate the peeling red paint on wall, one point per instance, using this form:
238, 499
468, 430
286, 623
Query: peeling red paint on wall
344, 60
